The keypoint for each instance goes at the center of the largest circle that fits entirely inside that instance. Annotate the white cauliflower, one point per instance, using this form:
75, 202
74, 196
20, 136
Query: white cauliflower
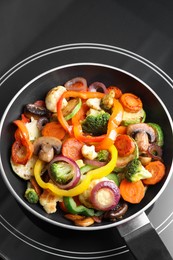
33, 130
53, 96
94, 103
49, 201
89, 152
85, 196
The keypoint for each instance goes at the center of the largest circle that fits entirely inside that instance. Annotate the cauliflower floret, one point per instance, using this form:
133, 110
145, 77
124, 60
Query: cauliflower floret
93, 112
94, 103
53, 96
89, 152
49, 201
33, 130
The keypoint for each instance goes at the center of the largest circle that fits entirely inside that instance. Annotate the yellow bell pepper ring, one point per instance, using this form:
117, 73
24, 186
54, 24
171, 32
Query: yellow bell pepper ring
84, 184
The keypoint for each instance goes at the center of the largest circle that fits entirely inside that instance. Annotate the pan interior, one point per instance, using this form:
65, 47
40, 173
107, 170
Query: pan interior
37, 89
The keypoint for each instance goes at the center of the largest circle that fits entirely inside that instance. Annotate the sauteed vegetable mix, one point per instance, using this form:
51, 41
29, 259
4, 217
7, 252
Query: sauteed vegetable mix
87, 151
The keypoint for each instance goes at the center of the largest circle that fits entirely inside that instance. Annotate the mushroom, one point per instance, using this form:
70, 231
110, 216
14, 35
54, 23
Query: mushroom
142, 141
45, 147
116, 213
36, 111
143, 135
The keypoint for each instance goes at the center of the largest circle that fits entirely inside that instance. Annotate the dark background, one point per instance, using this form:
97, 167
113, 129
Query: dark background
144, 27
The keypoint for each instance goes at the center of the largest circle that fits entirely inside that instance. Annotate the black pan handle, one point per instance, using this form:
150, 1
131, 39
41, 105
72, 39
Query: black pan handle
143, 240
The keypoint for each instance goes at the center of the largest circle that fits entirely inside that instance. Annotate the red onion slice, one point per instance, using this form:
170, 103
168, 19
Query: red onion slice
94, 162
105, 195
75, 169
96, 86
76, 84
155, 152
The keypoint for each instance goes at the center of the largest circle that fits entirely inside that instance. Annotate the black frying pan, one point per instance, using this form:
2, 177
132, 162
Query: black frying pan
135, 227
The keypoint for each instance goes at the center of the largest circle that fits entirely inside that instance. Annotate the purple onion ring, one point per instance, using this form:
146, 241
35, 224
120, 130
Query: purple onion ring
95, 86
155, 152
76, 84
75, 169
112, 188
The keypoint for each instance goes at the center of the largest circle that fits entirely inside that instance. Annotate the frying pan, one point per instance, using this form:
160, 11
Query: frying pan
135, 227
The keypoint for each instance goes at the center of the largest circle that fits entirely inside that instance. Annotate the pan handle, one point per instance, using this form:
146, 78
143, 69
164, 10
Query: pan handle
143, 240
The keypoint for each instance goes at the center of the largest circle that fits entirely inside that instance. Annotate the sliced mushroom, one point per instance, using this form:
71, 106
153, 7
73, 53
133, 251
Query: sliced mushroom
45, 147
133, 129
142, 141
116, 213
46, 153
32, 110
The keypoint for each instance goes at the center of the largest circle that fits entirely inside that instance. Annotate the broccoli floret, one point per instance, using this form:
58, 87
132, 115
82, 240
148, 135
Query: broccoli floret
61, 172
96, 124
107, 101
103, 156
31, 195
135, 171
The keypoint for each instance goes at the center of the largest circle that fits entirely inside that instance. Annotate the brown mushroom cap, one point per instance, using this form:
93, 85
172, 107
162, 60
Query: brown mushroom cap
47, 141
141, 127
32, 110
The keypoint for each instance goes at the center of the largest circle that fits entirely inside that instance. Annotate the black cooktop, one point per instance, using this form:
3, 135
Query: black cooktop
37, 37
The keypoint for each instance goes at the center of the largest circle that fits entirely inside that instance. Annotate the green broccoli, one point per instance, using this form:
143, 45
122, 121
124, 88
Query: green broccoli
103, 156
96, 124
61, 172
135, 171
31, 195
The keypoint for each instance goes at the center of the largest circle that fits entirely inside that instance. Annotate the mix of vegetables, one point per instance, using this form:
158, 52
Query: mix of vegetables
87, 151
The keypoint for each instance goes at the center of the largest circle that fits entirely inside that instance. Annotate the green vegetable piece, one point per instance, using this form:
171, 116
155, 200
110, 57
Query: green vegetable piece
86, 168
96, 124
75, 110
159, 133
61, 172
113, 177
31, 195
103, 156
135, 171
133, 118
118, 169
71, 206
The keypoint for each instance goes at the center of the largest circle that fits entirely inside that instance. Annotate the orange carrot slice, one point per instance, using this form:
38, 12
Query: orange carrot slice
157, 169
130, 102
132, 192
125, 145
71, 148
54, 129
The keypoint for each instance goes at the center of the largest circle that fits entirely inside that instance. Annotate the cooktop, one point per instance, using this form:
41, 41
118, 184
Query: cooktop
88, 32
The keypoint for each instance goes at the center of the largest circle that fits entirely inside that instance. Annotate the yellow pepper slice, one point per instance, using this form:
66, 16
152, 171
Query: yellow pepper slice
81, 187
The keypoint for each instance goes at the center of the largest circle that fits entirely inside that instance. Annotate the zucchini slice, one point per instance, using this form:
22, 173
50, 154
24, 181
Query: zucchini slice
72, 108
159, 133
133, 118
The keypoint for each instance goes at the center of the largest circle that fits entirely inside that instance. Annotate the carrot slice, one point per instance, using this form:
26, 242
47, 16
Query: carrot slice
71, 148
117, 91
53, 129
130, 102
125, 145
157, 169
132, 192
